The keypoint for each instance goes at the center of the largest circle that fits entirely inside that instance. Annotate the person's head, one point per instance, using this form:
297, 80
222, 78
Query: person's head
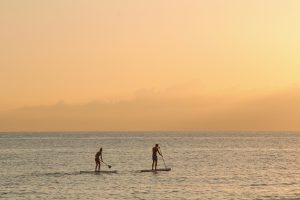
100, 149
156, 145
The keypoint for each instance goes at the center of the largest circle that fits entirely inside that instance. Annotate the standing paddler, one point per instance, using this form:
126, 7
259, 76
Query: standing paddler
155, 150
98, 158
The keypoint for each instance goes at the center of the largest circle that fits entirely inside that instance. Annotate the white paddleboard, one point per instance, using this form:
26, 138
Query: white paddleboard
98, 172
157, 170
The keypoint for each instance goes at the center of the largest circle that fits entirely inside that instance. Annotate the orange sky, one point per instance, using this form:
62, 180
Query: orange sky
149, 65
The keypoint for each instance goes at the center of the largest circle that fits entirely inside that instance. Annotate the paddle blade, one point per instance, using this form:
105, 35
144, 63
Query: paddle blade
109, 166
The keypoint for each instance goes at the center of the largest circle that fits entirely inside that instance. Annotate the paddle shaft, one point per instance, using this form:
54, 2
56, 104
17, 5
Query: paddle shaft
163, 159
106, 164
164, 162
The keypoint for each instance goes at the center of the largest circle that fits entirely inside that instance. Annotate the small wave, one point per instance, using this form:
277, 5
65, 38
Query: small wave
55, 174
282, 198
274, 184
292, 183
259, 184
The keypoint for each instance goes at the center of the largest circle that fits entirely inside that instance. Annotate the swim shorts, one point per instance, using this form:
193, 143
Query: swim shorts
154, 157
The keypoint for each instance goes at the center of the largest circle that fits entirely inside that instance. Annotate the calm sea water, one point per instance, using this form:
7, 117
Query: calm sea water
204, 166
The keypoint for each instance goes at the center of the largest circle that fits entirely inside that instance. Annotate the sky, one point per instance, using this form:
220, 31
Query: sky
135, 65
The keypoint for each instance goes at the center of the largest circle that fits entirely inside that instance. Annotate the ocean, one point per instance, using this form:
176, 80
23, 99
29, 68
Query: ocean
205, 165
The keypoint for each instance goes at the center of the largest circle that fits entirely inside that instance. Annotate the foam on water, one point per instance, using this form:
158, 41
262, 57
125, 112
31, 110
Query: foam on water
204, 166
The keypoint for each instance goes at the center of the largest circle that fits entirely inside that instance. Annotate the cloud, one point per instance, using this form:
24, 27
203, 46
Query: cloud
164, 110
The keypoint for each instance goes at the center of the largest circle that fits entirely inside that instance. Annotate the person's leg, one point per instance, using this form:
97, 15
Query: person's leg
96, 166
152, 164
155, 164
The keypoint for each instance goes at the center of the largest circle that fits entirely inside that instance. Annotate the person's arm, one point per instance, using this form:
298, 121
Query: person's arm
158, 150
101, 157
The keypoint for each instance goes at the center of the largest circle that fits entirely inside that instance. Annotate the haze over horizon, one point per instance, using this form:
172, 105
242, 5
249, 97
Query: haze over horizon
159, 65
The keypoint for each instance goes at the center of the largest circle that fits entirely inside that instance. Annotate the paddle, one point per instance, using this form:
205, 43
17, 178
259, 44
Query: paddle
164, 162
109, 166
163, 159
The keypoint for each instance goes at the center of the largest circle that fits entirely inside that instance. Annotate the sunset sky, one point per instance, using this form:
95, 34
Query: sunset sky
116, 65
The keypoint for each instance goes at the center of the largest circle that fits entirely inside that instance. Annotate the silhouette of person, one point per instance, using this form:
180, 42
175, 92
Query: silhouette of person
155, 150
98, 157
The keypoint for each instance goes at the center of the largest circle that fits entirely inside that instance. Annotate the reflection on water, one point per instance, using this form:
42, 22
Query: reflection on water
204, 166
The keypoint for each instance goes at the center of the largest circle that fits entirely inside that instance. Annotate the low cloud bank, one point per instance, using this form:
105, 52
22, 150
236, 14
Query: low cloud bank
151, 110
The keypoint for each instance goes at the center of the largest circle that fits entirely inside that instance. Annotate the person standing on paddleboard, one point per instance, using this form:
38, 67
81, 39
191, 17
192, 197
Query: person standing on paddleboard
155, 150
98, 156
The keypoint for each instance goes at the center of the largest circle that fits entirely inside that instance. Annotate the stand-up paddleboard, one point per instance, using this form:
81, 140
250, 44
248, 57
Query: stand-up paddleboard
99, 172
157, 170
